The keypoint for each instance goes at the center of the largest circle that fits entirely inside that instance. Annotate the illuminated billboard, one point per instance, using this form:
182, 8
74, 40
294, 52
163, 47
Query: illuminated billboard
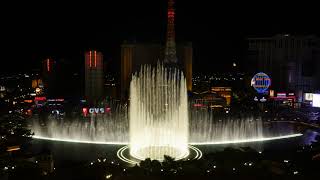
261, 82
281, 95
28, 100
55, 100
308, 96
40, 98
316, 100
271, 93
86, 111
36, 83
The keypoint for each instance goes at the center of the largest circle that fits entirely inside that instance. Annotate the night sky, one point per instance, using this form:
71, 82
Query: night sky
33, 31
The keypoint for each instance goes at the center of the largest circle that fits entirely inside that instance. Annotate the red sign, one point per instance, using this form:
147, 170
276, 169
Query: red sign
85, 112
40, 98
198, 105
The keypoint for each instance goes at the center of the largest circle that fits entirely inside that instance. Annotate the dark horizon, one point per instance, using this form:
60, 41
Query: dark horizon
217, 32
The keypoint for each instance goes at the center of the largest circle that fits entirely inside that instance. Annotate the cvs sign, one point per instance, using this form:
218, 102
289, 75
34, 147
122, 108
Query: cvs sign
86, 111
96, 110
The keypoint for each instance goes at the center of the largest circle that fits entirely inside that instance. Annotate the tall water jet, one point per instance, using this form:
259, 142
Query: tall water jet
158, 118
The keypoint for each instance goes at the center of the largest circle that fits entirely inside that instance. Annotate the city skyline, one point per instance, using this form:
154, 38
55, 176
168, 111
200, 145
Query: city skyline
216, 34
161, 89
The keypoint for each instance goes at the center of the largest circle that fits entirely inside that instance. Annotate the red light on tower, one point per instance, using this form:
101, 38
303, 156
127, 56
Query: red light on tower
48, 65
90, 60
170, 13
95, 58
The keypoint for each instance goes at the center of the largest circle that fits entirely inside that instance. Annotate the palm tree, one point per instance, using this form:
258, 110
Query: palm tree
169, 164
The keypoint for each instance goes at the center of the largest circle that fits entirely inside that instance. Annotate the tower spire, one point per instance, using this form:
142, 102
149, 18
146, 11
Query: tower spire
170, 51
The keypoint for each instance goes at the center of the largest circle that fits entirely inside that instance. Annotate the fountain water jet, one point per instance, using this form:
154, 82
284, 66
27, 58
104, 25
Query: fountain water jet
158, 117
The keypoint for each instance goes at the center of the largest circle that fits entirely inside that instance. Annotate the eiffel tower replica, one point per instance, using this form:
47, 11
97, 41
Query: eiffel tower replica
170, 58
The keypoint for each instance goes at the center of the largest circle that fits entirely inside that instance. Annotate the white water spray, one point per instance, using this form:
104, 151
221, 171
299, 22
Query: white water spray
158, 118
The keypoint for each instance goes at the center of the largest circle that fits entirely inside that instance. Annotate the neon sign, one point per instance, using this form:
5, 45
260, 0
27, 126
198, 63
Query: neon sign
290, 94
308, 96
28, 101
48, 65
281, 95
86, 111
55, 100
198, 105
316, 100
261, 82
40, 98
96, 110
95, 58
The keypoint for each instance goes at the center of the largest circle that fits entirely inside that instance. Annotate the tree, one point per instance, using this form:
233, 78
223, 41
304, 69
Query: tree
168, 163
146, 165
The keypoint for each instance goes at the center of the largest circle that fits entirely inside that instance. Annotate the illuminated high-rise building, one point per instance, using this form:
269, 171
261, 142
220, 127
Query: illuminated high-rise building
289, 60
286, 58
49, 75
187, 56
94, 76
48, 66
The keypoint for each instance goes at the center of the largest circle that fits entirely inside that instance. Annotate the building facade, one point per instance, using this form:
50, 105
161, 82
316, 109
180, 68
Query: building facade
290, 61
94, 77
133, 55
49, 70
